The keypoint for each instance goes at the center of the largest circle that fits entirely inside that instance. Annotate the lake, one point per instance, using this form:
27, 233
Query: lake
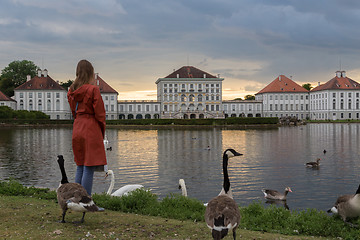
157, 159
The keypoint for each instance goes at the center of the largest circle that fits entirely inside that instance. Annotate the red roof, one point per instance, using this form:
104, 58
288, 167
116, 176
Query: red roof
40, 83
3, 97
104, 87
190, 72
283, 84
338, 83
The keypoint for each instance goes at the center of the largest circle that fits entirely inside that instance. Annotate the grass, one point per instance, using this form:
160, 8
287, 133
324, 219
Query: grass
142, 216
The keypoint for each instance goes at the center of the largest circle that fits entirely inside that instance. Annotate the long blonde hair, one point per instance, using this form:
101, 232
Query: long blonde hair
84, 74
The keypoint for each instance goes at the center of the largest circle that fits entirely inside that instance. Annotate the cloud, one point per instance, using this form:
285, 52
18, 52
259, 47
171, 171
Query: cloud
134, 42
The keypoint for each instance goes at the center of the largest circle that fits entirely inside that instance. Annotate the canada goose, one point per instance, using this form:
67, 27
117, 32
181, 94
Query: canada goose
347, 206
275, 195
313, 164
73, 196
123, 191
222, 213
182, 186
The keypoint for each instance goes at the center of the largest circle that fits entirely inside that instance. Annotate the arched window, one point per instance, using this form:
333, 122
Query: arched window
349, 104
183, 98
334, 104
30, 105
357, 103
191, 98
57, 105
191, 107
183, 107
39, 105
200, 98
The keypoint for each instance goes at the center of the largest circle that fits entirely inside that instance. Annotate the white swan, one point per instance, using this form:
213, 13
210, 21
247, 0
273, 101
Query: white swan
182, 186
123, 191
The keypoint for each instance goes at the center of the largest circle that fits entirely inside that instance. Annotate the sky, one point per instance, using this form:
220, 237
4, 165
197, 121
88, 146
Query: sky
132, 43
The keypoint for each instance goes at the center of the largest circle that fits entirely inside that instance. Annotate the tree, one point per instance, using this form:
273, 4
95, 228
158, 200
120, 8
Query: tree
67, 84
15, 74
249, 97
307, 86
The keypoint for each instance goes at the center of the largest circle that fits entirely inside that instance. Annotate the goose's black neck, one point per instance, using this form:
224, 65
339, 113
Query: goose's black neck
358, 190
226, 185
64, 178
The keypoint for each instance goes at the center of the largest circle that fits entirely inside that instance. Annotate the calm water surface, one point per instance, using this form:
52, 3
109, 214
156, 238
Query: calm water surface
158, 158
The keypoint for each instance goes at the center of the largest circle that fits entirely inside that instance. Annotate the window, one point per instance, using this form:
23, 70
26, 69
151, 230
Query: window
39, 95
21, 95
112, 107
217, 108
57, 105
112, 98
183, 98
48, 95
165, 85
21, 104
130, 108
334, 104
191, 98
349, 104
342, 95
148, 108
106, 107
39, 105
342, 104
271, 107
156, 108
200, 98
139, 108
48, 105
30, 95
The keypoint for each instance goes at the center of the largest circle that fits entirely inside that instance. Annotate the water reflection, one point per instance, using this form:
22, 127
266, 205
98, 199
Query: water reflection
157, 159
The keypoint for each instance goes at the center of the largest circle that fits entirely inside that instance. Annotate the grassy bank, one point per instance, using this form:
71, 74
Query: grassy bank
153, 122
174, 214
32, 218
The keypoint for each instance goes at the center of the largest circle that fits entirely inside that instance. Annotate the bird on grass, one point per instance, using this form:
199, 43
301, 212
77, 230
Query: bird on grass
73, 195
222, 214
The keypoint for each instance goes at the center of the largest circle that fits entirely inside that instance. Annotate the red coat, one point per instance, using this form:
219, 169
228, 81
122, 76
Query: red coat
89, 125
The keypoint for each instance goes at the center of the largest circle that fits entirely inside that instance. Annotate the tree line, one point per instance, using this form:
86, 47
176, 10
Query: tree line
15, 74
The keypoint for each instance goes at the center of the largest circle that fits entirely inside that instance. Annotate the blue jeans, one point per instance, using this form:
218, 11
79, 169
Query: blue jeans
84, 175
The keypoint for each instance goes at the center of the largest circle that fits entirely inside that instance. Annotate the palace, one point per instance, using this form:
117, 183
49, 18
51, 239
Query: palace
192, 93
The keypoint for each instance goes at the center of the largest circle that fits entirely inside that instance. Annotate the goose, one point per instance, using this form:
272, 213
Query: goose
222, 213
73, 195
182, 186
123, 191
275, 195
347, 206
313, 164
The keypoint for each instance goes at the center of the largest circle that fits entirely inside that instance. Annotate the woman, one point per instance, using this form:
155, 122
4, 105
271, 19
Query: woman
88, 111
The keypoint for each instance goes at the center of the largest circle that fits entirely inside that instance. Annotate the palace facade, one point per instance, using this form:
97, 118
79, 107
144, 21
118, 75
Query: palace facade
192, 93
